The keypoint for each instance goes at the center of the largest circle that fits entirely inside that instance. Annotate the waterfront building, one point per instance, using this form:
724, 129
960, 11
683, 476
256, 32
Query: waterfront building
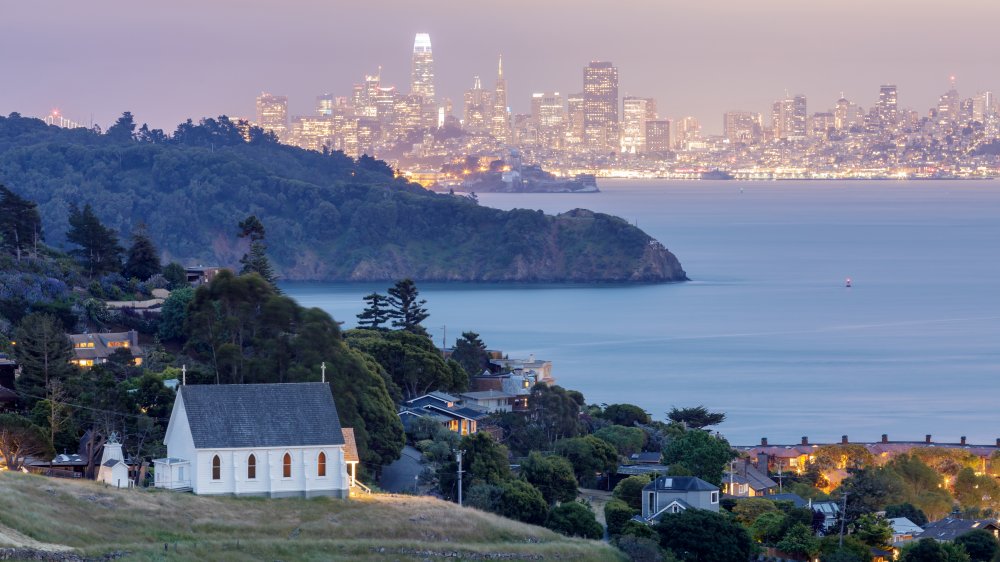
742, 127
635, 113
600, 101
272, 114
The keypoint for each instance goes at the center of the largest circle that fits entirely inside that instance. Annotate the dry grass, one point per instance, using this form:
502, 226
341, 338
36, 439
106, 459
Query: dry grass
93, 520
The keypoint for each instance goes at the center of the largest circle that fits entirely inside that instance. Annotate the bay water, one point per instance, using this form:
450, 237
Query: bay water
766, 330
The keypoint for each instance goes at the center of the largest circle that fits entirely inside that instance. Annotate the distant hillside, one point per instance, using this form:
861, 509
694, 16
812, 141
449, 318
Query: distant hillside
58, 515
327, 216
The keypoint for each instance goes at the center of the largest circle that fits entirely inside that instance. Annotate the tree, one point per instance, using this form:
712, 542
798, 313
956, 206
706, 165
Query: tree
522, 501
976, 492
176, 276
697, 417
641, 549
929, 550
870, 490
410, 361
616, 514
484, 462
98, 251
20, 439
552, 475
698, 535
141, 261
800, 541
173, 314
44, 352
625, 414
554, 410
484, 496
20, 224
376, 312
574, 519
470, 352
589, 456
872, 530
852, 550
747, 510
701, 453
405, 308
769, 527
907, 510
980, 545
629, 490
123, 129
256, 260
626, 440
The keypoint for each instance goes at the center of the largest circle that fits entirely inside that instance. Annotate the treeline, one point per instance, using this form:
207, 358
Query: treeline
329, 216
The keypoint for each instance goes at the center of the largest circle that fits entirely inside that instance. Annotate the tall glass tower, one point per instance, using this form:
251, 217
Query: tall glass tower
422, 75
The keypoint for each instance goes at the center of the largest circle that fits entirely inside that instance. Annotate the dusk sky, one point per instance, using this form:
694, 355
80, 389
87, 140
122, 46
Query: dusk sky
167, 61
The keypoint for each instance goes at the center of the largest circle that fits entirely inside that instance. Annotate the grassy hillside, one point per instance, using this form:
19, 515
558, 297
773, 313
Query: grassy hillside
92, 520
328, 217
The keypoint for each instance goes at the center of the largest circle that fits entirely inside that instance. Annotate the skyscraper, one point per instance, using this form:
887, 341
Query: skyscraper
658, 136
600, 106
549, 117
948, 105
272, 114
886, 109
422, 73
635, 113
575, 115
789, 118
688, 130
477, 108
742, 127
500, 120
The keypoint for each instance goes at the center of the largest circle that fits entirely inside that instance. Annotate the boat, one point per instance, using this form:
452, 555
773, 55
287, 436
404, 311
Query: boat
848, 284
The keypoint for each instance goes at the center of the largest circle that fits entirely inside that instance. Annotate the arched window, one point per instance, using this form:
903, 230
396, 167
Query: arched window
286, 466
321, 465
252, 467
216, 468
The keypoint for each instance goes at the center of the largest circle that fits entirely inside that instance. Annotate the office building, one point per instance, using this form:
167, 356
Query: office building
272, 114
600, 101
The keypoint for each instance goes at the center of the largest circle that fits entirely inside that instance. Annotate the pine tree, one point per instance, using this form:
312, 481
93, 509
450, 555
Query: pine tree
20, 223
406, 311
99, 249
142, 261
375, 314
470, 352
255, 261
43, 351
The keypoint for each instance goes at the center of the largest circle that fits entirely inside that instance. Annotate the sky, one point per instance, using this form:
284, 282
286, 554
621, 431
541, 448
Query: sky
169, 61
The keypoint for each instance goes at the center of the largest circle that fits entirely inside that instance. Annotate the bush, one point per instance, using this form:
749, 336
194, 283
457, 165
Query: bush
616, 514
629, 490
643, 550
523, 502
574, 519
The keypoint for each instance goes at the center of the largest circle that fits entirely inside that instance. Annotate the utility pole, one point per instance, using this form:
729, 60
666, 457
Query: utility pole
458, 454
843, 515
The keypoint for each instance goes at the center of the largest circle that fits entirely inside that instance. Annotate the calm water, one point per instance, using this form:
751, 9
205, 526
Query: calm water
766, 330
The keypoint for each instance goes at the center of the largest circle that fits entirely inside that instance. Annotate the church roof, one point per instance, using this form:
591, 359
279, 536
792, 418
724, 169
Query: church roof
350, 446
233, 416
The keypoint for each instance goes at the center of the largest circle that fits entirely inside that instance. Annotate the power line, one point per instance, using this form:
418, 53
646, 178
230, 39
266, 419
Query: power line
82, 407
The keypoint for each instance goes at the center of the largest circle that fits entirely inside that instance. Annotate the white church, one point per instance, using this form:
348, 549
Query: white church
274, 440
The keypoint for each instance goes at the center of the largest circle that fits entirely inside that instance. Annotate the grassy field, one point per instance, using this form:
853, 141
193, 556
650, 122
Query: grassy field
92, 520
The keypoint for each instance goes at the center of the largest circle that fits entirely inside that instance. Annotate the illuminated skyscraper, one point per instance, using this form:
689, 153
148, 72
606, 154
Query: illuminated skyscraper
789, 118
658, 136
635, 113
325, 104
477, 108
272, 114
948, 105
982, 107
422, 73
575, 115
688, 130
500, 118
600, 106
742, 127
886, 109
549, 118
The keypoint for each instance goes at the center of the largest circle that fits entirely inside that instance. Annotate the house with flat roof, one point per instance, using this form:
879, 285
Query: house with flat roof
95, 349
489, 400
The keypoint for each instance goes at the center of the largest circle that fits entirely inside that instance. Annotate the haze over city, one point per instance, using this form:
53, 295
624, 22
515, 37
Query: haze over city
169, 62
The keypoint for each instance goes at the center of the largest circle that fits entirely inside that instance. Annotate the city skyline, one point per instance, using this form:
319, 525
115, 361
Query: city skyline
701, 61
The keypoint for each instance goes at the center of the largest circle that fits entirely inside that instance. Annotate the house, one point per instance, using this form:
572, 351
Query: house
113, 470
541, 369
949, 528
744, 480
674, 494
646, 462
903, 529
830, 511
201, 275
489, 400
518, 385
274, 440
444, 409
795, 499
94, 349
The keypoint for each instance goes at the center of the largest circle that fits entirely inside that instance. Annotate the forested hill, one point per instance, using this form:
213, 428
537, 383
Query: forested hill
327, 216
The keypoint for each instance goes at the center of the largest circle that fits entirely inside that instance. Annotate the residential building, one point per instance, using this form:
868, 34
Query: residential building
272, 114
274, 440
489, 400
674, 494
950, 528
95, 349
904, 530
600, 106
743, 480
445, 409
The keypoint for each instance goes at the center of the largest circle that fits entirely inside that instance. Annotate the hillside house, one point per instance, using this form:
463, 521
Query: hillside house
744, 480
489, 400
445, 409
274, 440
95, 349
674, 494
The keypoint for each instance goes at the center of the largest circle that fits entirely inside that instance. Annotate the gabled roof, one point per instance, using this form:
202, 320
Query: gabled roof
902, 525
677, 501
949, 528
226, 416
112, 462
350, 446
746, 473
680, 484
796, 499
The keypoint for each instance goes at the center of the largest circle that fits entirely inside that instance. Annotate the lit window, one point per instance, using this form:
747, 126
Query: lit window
321, 465
286, 466
216, 468
252, 467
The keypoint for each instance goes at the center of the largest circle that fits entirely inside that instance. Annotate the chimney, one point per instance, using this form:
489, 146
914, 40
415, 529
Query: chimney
763, 441
762, 462
805, 440
927, 439
885, 437
963, 440
843, 440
